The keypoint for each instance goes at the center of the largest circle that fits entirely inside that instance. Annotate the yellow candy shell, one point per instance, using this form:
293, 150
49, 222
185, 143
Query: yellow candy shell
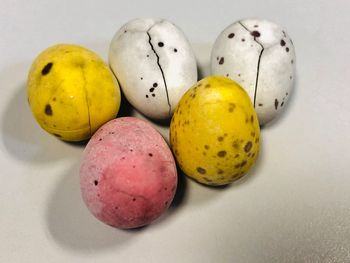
214, 132
72, 92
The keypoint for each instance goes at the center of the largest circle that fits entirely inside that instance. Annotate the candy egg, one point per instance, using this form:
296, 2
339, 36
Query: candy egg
154, 64
72, 92
260, 56
128, 174
214, 132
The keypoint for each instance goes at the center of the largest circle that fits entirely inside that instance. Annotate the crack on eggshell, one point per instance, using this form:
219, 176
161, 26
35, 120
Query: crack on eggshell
258, 65
160, 68
86, 97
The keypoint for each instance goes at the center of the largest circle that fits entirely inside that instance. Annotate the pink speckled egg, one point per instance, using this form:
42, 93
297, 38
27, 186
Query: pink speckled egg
128, 174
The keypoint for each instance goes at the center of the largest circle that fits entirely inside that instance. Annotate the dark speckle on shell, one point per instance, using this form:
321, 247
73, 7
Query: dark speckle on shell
201, 170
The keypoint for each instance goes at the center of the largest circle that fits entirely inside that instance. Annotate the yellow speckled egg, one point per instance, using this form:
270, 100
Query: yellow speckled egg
72, 92
215, 132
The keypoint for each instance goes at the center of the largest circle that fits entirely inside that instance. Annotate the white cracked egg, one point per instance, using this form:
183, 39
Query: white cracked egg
260, 56
154, 64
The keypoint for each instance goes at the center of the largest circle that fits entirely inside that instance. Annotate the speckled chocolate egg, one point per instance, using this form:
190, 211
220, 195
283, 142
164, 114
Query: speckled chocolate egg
128, 174
260, 56
154, 64
214, 132
72, 92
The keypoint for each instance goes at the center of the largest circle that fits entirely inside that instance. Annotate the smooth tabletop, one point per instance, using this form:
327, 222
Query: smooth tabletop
293, 206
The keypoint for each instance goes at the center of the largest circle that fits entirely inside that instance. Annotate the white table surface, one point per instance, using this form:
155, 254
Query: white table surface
294, 206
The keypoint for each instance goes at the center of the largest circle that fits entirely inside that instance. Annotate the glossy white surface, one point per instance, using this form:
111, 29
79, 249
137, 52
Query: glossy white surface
260, 56
154, 64
294, 206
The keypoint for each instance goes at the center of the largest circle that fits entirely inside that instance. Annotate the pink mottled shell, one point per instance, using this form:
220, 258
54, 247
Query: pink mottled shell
128, 174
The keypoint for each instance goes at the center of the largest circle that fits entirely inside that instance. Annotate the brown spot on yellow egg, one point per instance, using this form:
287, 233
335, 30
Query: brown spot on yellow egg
222, 153
220, 128
248, 146
201, 170
48, 110
46, 69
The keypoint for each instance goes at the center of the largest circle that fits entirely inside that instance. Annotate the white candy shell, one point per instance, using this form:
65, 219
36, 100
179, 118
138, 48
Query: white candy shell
154, 64
260, 56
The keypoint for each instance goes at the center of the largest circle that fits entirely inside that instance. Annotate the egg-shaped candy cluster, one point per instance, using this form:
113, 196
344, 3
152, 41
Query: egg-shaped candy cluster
128, 175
